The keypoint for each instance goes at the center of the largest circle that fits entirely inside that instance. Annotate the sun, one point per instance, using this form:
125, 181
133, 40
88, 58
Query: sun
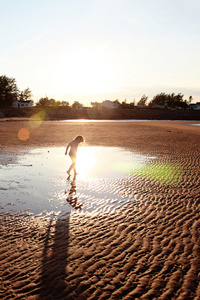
88, 71
83, 71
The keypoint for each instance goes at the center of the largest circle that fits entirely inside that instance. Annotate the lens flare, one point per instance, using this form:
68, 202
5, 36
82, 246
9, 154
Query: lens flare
23, 134
163, 172
37, 119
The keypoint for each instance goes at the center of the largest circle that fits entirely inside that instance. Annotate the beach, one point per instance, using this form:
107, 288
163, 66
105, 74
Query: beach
148, 248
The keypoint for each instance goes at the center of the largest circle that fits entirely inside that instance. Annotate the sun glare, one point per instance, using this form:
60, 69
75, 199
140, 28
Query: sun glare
84, 71
86, 161
87, 72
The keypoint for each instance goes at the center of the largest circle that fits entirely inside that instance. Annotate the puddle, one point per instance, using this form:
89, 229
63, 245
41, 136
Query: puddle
196, 124
36, 181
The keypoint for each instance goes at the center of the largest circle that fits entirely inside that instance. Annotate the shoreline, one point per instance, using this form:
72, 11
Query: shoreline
21, 119
62, 113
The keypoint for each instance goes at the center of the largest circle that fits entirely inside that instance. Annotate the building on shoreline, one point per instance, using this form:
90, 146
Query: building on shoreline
195, 106
22, 104
109, 104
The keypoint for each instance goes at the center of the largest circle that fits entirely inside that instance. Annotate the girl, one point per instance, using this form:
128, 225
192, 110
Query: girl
73, 146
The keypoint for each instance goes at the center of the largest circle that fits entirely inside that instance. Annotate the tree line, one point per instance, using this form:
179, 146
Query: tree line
9, 92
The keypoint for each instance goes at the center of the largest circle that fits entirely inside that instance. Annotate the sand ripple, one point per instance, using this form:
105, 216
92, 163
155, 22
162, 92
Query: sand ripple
147, 249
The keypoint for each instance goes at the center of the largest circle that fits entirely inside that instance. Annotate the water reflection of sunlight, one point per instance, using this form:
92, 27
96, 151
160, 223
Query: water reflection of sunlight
37, 180
86, 161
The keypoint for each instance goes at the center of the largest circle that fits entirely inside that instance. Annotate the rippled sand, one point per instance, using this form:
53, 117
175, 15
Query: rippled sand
148, 248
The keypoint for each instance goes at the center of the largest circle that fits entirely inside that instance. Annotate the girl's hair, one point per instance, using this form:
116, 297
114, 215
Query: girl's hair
79, 139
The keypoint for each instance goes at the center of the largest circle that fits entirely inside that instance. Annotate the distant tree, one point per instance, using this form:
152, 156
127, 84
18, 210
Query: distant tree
143, 100
76, 105
25, 95
43, 101
132, 104
161, 98
57, 103
117, 102
95, 105
170, 100
52, 102
190, 99
124, 104
64, 103
8, 91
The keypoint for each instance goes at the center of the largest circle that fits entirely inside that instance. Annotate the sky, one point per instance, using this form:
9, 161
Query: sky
94, 50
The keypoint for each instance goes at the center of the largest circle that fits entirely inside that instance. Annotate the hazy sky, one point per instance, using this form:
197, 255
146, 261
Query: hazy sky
92, 50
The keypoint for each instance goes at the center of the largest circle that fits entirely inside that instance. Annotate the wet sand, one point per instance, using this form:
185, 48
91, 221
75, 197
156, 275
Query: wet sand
148, 249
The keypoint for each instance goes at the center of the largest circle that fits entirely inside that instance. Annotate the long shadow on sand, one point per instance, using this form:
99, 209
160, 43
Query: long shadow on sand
55, 252
54, 262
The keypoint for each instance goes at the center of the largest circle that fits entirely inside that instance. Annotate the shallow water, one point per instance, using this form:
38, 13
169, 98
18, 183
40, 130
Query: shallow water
36, 182
197, 124
109, 121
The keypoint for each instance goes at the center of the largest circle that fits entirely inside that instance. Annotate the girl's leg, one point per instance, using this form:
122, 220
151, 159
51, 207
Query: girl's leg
74, 168
73, 165
70, 168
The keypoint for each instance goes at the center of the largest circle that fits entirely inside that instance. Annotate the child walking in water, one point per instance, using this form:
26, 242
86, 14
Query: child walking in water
73, 146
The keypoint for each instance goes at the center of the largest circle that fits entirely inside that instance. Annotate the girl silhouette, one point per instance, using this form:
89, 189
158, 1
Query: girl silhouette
73, 146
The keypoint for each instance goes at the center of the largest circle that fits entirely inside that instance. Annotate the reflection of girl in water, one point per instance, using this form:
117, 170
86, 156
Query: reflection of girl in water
73, 146
72, 198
